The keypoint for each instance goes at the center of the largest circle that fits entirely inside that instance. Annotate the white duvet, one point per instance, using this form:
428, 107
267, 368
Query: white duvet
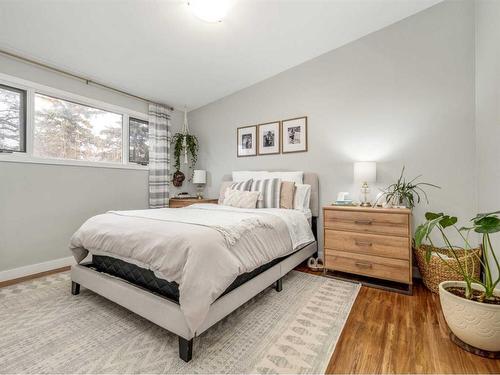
203, 247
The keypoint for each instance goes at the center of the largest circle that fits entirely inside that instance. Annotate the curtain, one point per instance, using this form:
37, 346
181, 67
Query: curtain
159, 155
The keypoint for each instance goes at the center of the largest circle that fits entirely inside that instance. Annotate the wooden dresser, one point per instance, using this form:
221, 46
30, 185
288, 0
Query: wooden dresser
183, 202
370, 242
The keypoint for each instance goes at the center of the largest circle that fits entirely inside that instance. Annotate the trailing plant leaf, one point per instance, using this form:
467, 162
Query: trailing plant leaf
192, 147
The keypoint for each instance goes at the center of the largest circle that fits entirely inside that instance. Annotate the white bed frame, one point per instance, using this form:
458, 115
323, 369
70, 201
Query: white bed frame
167, 314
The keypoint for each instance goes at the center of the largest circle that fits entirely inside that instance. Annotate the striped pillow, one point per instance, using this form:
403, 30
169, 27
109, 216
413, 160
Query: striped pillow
269, 192
242, 185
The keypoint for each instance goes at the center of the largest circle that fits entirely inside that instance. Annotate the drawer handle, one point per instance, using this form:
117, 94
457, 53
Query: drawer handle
363, 222
363, 264
363, 243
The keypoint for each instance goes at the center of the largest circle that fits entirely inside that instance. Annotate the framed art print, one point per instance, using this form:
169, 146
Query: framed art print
247, 141
294, 135
269, 138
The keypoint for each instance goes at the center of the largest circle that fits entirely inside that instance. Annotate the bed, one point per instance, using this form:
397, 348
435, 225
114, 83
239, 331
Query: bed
128, 269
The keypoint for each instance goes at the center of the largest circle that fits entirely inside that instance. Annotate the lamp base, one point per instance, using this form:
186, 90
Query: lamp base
199, 189
365, 204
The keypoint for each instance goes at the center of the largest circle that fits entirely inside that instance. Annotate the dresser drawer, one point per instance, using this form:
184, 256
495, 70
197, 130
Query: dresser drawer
368, 265
371, 244
367, 222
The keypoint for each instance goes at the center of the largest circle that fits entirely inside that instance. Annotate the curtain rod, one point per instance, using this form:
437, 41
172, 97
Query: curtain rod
77, 77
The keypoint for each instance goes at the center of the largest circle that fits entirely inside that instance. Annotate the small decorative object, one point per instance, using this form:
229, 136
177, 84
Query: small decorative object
178, 178
199, 179
403, 193
471, 307
184, 144
343, 199
315, 264
294, 135
247, 141
365, 172
269, 138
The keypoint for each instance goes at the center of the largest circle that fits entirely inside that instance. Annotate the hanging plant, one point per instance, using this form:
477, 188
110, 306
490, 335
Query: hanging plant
186, 144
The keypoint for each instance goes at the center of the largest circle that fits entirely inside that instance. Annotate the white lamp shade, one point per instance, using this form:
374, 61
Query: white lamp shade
365, 171
199, 176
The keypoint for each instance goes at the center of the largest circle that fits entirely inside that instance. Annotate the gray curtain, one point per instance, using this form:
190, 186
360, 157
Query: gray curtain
159, 155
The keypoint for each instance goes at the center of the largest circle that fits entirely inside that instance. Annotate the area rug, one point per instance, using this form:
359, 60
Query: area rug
44, 329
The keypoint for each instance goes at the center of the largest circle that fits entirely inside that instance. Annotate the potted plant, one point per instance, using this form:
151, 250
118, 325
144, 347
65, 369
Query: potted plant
404, 193
471, 307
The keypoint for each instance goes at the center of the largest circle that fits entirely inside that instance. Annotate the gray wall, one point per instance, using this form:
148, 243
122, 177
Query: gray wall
488, 106
41, 206
401, 96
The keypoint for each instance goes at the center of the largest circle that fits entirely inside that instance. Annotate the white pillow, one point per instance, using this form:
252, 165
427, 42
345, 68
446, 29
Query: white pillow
239, 176
302, 197
297, 177
241, 199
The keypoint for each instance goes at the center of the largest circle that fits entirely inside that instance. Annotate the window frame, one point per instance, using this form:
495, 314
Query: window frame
32, 88
23, 110
128, 143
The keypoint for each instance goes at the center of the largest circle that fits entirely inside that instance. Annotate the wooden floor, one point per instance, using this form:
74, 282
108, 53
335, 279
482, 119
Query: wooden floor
388, 332
393, 333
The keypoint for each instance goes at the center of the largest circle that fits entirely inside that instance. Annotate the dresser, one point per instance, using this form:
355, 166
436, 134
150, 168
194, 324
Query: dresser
374, 243
183, 202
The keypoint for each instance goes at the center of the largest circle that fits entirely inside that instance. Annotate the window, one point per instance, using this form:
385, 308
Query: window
12, 119
138, 141
67, 130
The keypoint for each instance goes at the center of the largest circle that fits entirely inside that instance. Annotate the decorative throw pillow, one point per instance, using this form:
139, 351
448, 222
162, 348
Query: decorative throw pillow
241, 199
242, 186
269, 190
287, 194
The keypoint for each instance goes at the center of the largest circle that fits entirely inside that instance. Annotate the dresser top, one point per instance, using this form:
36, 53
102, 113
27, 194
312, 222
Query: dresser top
369, 209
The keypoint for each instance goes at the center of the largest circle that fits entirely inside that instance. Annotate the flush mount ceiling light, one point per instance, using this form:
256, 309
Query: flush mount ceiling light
209, 10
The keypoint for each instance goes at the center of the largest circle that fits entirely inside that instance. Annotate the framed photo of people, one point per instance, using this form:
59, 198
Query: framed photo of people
268, 138
294, 135
247, 141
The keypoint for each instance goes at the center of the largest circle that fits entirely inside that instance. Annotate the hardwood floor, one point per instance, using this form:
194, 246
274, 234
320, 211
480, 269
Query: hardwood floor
393, 333
389, 332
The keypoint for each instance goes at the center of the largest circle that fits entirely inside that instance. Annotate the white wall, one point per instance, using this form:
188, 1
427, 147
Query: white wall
41, 206
401, 96
488, 107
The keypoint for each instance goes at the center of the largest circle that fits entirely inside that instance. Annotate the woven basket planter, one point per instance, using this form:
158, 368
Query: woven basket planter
435, 271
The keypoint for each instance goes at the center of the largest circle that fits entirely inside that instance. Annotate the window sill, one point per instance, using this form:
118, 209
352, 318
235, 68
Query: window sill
22, 158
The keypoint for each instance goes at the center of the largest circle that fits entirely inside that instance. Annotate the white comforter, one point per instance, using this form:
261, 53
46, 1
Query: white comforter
203, 247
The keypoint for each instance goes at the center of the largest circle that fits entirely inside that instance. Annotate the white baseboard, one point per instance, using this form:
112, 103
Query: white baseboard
36, 268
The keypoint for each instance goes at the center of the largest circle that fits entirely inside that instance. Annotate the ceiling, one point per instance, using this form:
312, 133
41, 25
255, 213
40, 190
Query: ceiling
158, 49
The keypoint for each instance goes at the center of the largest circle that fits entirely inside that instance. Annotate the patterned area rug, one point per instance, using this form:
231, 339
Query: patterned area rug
44, 329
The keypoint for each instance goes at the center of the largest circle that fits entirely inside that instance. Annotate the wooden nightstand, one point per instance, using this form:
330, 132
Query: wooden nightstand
183, 202
371, 245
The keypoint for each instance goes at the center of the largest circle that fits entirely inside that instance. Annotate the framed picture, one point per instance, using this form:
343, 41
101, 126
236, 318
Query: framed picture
294, 135
247, 141
269, 138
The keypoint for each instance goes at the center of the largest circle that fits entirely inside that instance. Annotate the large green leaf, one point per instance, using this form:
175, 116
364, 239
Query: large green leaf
420, 234
448, 221
487, 224
433, 215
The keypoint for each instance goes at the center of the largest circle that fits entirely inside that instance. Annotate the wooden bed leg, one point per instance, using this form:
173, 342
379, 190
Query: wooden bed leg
75, 288
185, 349
279, 285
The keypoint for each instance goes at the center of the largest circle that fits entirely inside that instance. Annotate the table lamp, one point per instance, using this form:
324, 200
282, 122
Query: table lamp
199, 179
365, 172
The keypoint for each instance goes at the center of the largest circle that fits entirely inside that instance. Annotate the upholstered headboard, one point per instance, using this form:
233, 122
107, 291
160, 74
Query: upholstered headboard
310, 179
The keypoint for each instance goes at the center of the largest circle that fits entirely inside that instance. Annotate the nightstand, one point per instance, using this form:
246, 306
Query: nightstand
183, 202
369, 245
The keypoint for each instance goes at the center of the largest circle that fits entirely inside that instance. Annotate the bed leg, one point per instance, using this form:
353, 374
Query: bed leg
75, 288
279, 285
185, 349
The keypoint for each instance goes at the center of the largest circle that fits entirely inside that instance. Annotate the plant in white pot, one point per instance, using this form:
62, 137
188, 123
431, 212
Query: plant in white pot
471, 307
